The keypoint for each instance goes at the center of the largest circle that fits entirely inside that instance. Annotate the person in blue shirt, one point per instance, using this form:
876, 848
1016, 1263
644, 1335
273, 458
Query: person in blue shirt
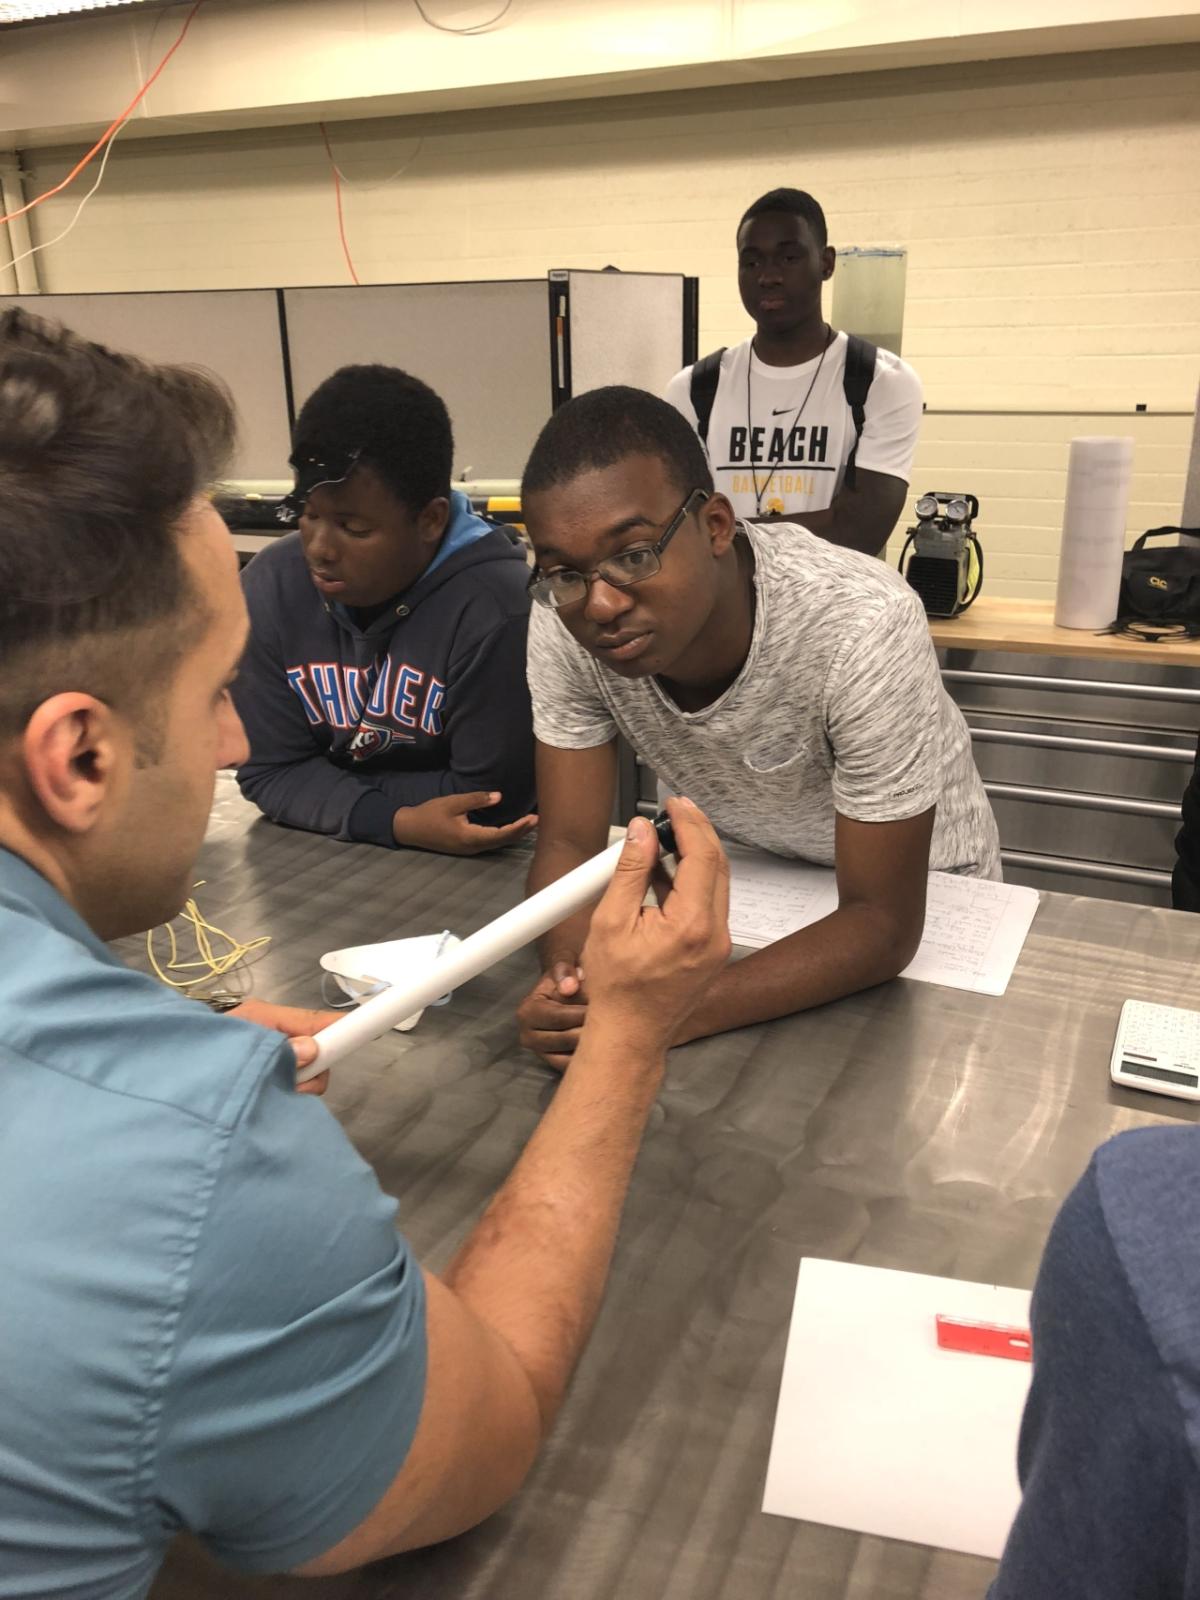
1109, 1450
208, 1320
383, 690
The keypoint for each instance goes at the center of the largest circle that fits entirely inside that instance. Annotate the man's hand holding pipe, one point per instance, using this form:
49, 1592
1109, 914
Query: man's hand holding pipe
646, 966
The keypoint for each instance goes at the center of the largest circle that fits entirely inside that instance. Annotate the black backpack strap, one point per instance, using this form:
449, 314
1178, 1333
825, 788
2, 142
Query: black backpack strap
856, 384
706, 374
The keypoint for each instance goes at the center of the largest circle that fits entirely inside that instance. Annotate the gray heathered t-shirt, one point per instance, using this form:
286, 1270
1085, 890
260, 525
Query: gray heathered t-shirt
838, 708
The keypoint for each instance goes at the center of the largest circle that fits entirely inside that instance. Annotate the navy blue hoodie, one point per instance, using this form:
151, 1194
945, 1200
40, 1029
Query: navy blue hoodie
347, 724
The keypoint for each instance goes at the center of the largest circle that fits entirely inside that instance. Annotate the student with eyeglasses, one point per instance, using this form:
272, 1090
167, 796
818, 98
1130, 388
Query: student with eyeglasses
789, 687
383, 689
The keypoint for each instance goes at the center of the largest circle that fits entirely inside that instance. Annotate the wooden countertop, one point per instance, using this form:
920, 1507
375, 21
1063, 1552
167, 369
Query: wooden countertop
1026, 627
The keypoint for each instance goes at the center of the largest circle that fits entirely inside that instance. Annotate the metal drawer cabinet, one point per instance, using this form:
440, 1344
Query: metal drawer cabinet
1085, 763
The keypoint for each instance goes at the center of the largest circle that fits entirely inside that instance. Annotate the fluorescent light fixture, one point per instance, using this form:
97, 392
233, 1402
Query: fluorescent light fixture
43, 10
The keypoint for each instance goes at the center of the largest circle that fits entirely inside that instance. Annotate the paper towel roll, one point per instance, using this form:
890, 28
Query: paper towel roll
1093, 536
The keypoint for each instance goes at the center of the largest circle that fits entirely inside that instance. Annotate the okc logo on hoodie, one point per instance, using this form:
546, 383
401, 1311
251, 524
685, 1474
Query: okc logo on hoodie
370, 740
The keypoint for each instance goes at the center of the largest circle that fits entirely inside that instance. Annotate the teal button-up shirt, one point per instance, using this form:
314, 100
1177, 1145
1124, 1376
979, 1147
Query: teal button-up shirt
207, 1318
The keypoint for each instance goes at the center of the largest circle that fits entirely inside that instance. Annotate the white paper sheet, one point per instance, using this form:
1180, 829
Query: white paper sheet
974, 929
879, 1430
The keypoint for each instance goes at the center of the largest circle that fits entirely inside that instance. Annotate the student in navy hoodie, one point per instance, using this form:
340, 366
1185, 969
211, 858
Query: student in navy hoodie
383, 690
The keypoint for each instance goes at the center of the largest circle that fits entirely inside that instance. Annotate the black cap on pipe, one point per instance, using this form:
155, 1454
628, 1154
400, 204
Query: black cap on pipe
666, 834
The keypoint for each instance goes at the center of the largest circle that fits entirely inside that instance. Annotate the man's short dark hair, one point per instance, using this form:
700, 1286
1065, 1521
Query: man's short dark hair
604, 426
399, 426
796, 203
100, 457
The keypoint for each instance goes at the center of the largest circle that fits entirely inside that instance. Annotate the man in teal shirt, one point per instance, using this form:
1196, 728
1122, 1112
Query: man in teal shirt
208, 1320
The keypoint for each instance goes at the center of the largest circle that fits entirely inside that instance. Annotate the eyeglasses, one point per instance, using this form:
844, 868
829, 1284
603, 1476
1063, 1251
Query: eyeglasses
565, 587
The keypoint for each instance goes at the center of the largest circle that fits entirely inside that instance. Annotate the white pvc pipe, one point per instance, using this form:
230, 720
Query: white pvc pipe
509, 932
16, 235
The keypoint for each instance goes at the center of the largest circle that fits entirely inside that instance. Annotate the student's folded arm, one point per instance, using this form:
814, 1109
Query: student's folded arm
576, 761
861, 518
864, 518
288, 776
575, 801
882, 872
489, 725
881, 706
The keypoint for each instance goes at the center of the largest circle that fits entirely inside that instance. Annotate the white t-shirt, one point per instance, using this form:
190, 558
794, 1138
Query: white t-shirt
797, 449
839, 707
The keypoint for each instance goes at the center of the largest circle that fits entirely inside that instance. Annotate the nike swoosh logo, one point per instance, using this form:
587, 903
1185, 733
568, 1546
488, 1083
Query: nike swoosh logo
784, 411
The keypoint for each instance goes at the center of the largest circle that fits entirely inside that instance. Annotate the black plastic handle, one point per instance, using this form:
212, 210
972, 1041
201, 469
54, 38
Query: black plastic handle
1155, 533
666, 834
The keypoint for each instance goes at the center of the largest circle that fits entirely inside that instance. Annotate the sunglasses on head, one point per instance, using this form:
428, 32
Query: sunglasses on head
314, 473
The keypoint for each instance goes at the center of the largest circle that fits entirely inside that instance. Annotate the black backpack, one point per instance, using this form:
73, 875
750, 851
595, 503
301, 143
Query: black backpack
856, 384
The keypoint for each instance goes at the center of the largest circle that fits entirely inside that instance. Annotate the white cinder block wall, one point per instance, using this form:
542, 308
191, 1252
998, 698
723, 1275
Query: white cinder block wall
1050, 208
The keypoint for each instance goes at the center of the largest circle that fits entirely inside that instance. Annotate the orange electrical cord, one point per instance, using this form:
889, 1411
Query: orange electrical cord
112, 127
337, 195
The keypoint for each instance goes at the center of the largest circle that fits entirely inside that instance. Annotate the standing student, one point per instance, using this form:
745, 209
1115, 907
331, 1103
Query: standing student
209, 1320
801, 423
383, 689
788, 686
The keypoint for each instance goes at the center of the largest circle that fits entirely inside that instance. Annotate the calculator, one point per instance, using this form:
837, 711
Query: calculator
1158, 1048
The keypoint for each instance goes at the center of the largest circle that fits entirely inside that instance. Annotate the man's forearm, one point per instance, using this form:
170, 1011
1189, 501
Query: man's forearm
535, 1265
853, 949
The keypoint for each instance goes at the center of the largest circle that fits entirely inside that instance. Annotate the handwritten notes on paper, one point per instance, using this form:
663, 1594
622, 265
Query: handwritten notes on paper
974, 929
770, 898
974, 932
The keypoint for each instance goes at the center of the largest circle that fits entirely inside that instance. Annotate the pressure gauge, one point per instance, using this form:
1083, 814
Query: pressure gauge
927, 507
957, 509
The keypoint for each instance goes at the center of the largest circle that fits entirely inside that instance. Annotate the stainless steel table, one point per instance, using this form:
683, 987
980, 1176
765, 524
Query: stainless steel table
909, 1127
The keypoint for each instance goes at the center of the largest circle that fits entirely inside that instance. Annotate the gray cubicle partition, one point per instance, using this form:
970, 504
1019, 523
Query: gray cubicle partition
491, 350
483, 346
233, 332
636, 328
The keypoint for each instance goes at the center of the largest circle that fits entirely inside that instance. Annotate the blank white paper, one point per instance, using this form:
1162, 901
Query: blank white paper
974, 929
880, 1431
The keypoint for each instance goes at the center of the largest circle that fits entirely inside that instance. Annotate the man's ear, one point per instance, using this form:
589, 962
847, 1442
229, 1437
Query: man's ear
434, 519
719, 521
828, 261
72, 748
